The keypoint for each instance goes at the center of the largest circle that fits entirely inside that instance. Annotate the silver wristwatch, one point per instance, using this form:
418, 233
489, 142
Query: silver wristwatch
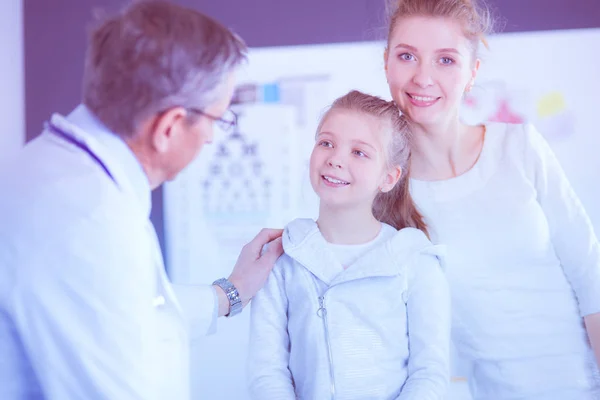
235, 302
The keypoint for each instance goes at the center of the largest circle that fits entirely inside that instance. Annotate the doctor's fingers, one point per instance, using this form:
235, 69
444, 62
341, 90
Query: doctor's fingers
274, 250
265, 236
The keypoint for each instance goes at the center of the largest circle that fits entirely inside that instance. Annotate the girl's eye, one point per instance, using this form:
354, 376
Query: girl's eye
446, 61
325, 143
406, 57
359, 153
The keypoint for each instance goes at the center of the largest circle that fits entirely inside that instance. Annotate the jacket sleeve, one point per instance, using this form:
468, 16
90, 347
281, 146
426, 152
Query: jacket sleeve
428, 310
200, 307
573, 237
269, 377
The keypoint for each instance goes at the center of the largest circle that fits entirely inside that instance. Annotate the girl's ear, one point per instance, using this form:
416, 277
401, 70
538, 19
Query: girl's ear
391, 177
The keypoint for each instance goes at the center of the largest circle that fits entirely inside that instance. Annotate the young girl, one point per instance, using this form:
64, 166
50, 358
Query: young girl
357, 307
522, 262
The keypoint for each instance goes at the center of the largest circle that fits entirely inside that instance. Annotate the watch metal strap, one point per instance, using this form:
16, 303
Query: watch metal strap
235, 302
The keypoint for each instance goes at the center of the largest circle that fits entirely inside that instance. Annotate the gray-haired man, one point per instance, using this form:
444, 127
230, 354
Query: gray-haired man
86, 310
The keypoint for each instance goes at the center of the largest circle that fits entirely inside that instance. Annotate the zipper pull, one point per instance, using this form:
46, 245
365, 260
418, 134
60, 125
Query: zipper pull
322, 311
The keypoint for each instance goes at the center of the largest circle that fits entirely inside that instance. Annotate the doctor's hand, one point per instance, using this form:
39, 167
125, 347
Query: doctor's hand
253, 268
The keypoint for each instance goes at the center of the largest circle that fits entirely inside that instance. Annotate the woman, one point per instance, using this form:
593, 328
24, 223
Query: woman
523, 261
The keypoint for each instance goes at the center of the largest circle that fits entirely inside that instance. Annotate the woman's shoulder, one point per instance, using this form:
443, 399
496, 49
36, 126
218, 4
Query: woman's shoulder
512, 136
522, 143
501, 134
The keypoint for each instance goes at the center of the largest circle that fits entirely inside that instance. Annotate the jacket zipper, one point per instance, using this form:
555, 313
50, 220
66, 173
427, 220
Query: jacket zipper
322, 313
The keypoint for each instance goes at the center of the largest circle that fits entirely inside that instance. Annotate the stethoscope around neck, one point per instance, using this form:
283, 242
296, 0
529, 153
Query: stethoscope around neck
69, 137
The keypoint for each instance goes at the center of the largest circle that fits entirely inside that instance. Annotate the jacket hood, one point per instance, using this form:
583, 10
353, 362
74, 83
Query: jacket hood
303, 242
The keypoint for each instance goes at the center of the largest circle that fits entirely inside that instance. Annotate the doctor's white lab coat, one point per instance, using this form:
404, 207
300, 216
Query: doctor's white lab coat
86, 309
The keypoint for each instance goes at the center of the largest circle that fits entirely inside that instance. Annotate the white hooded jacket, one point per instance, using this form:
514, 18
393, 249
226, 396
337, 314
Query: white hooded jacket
379, 329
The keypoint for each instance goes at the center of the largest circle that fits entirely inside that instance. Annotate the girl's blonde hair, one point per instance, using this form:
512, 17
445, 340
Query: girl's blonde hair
395, 207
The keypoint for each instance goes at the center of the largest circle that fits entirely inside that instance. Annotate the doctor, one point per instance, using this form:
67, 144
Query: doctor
86, 310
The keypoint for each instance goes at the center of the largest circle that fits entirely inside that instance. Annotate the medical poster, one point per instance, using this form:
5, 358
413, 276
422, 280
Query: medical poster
253, 177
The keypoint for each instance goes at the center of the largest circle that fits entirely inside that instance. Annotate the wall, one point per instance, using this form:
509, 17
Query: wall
55, 38
223, 199
55, 45
12, 100
56, 31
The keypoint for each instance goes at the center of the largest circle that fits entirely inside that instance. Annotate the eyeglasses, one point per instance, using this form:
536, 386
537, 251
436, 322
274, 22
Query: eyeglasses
227, 122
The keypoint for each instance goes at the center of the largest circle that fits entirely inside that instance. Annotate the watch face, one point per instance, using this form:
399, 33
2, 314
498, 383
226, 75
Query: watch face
234, 296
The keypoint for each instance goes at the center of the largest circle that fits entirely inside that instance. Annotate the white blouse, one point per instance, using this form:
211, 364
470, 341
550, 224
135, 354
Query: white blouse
523, 265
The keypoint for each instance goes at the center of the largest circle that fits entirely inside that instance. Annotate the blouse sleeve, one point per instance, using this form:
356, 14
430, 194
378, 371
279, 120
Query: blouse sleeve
573, 237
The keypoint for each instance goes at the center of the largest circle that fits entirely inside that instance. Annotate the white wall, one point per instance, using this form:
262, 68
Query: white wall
12, 83
548, 78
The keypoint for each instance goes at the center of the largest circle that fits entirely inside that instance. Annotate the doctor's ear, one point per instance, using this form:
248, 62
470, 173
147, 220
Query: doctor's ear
167, 125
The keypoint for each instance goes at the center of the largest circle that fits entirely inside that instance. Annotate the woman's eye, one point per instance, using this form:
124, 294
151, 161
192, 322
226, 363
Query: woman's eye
325, 143
406, 56
359, 153
446, 61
